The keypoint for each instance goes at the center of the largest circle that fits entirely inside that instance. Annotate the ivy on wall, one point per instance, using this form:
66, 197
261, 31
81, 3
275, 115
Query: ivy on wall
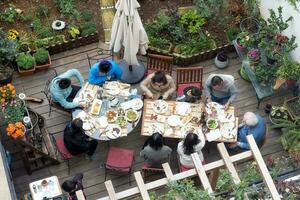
294, 3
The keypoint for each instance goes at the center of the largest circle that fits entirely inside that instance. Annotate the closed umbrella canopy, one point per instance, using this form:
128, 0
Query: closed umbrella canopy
128, 31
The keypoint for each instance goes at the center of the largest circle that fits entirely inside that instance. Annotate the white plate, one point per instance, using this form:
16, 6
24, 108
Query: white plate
102, 121
137, 115
87, 126
112, 119
160, 106
113, 131
174, 120
137, 104
183, 109
197, 130
114, 102
113, 91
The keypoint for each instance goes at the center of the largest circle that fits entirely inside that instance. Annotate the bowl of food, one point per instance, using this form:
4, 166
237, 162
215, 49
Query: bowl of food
137, 104
131, 115
160, 106
44, 183
174, 120
212, 124
111, 116
121, 121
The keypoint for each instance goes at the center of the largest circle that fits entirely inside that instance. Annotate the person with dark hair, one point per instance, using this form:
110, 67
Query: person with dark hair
191, 94
158, 85
154, 151
71, 186
104, 70
63, 92
77, 142
220, 88
191, 144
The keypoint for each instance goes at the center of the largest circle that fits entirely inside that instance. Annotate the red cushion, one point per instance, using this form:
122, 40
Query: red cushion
119, 159
183, 168
62, 148
182, 86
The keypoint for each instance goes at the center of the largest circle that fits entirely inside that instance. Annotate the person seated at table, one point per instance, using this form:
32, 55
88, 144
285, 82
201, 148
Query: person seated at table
155, 152
73, 185
158, 85
77, 142
104, 70
190, 144
220, 88
63, 92
252, 124
191, 94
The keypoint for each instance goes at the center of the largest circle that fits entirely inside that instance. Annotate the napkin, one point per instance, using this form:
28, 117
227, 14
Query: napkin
213, 135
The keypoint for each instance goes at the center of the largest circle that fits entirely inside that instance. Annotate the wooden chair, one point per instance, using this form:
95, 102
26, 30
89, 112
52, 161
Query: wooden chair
189, 76
100, 54
148, 169
159, 63
46, 92
119, 160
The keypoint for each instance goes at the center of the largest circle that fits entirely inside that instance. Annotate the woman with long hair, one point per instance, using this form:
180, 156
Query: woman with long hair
155, 152
191, 144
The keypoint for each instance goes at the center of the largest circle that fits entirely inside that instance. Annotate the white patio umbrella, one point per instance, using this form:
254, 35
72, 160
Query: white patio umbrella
128, 32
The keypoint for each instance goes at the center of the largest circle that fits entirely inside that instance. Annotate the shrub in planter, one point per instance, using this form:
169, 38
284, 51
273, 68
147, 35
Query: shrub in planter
26, 64
289, 69
232, 33
42, 58
243, 40
88, 28
221, 60
277, 113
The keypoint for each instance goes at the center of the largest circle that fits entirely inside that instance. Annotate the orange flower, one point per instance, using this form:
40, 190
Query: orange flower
19, 125
10, 129
19, 132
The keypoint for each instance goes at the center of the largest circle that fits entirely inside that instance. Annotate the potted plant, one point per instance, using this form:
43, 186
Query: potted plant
221, 60
26, 64
243, 41
253, 55
42, 59
278, 113
7, 56
289, 70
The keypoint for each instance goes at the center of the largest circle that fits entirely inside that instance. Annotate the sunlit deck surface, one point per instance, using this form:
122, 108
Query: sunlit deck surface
93, 173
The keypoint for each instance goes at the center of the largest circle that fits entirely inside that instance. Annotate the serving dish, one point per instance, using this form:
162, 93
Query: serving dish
160, 106
111, 116
113, 131
131, 115
212, 124
96, 107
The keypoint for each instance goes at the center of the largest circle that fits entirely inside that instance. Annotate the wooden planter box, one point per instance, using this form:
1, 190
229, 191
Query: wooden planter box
73, 43
44, 66
185, 60
293, 107
27, 72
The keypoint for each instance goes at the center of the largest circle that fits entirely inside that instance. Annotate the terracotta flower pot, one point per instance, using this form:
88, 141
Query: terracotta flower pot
27, 72
290, 82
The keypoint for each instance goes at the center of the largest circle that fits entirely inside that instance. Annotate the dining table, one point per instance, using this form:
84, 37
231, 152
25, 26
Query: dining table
111, 111
175, 119
45, 188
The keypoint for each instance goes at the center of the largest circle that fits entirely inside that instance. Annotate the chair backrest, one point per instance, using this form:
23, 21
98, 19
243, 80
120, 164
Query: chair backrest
47, 84
100, 54
189, 75
60, 145
159, 63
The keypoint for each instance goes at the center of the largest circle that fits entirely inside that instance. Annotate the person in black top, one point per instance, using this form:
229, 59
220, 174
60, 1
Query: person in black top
190, 94
76, 141
71, 186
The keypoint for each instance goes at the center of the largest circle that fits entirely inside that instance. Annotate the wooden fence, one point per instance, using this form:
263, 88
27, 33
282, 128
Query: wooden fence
208, 181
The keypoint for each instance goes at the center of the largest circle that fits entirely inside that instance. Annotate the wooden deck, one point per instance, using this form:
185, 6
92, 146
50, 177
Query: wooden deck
93, 172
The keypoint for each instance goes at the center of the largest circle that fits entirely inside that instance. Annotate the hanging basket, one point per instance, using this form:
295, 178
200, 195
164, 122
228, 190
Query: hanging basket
250, 25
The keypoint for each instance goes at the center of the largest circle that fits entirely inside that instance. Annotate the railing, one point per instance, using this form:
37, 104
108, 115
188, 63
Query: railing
208, 182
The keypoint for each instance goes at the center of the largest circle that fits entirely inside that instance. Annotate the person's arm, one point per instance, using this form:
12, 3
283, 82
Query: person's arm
171, 89
243, 145
117, 73
207, 89
145, 84
64, 103
73, 72
94, 77
233, 93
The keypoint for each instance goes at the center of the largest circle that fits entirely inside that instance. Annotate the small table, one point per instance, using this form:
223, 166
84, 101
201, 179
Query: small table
50, 190
96, 132
152, 120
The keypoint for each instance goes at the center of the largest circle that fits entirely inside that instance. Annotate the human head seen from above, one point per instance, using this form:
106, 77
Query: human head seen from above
217, 82
64, 83
159, 79
104, 67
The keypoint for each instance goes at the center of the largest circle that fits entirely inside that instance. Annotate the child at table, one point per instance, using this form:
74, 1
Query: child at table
71, 186
191, 94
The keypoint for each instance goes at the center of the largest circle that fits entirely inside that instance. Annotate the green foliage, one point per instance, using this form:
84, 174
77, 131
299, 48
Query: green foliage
9, 14
42, 10
289, 69
41, 56
294, 3
7, 48
240, 190
252, 7
224, 181
265, 73
232, 33
87, 15
192, 21
159, 42
208, 8
14, 112
41, 30
66, 7
25, 61
28, 15
73, 31
50, 41
88, 28
245, 39
251, 173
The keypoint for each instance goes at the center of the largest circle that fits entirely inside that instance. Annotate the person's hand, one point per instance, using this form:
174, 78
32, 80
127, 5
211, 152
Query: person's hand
149, 95
82, 104
232, 145
165, 96
226, 106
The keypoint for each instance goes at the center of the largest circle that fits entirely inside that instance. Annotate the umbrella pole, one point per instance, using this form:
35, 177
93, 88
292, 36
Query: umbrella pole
130, 67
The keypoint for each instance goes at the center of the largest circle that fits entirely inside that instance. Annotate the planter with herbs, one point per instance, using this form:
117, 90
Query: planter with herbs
293, 107
278, 113
26, 64
42, 59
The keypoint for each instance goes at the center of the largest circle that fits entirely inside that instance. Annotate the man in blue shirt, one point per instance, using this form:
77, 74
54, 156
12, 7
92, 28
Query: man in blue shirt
104, 70
252, 124
63, 92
